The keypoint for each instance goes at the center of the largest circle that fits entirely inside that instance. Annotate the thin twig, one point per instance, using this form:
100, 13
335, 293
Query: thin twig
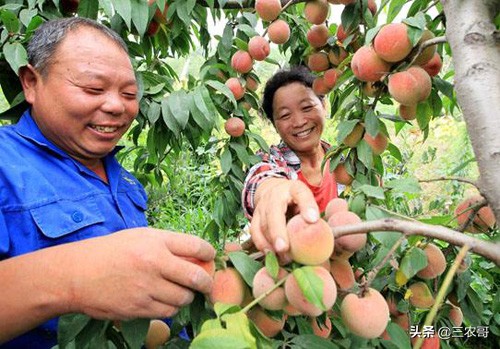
444, 178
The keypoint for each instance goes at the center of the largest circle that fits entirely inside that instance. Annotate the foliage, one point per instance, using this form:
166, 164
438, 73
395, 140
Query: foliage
195, 172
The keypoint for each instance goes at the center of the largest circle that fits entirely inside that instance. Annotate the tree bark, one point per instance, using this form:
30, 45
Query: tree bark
475, 44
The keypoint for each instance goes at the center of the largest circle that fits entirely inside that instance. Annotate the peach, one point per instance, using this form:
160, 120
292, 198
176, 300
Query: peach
483, 220
158, 334
310, 243
336, 205
316, 11
426, 55
337, 55
341, 175
234, 126
330, 76
242, 62
321, 330
258, 48
367, 315
318, 62
342, 273
410, 86
153, 28
378, 143
208, 266
392, 43
350, 243
228, 287
268, 10
262, 283
434, 65
368, 66
251, 84
319, 86
428, 343
317, 35
269, 326
392, 304
421, 296
278, 32
236, 87
436, 263
353, 138
232, 246
341, 33
456, 316
298, 300
408, 112
372, 6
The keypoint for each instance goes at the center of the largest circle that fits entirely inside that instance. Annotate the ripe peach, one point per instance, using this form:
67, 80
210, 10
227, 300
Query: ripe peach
350, 243
330, 76
367, 315
262, 282
310, 243
378, 143
410, 86
242, 61
318, 62
234, 126
336, 205
341, 33
342, 273
232, 246
341, 175
236, 87
251, 84
158, 334
421, 296
208, 266
403, 321
298, 300
408, 112
268, 10
456, 316
436, 263
353, 138
392, 43
316, 11
337, 55
321, 330
317, 35
227, 287
259, 48
433, 67
268, 325
367, 65
483, 220
319, 86
278, 32
428, 52
153, 28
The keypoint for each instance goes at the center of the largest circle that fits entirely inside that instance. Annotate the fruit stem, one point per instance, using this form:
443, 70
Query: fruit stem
442, 291
264, 295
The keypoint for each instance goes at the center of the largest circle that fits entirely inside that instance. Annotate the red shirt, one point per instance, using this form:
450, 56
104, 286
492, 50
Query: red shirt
324, 192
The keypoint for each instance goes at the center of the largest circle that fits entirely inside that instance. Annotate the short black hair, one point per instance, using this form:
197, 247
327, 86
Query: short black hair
283, 77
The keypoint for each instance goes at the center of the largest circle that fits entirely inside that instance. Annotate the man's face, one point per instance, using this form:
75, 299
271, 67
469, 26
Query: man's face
88, 97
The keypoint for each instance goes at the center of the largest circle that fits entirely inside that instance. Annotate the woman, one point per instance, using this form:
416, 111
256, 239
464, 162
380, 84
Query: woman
289, 180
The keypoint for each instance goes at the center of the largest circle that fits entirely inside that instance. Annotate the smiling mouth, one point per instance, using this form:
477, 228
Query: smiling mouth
304, 133
104, 129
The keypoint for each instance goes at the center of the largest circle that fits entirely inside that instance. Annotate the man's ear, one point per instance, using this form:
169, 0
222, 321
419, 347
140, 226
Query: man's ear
29, 78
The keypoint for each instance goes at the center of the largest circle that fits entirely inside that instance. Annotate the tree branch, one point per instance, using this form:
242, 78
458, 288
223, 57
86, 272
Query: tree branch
444, 178
486, 249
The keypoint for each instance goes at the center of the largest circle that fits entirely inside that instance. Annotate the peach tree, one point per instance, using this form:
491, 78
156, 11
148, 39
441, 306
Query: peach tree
384, 66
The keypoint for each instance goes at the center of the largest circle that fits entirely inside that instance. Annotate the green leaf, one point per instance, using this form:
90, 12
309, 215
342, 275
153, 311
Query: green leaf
199, 117
10, 21
272, 265
134, 331
124, 10
238, 324
371, 123
443, 86
424, 113
413, 261
345, 128
168, 117
140, 15
25, 16
365, 153
395, 7
311, 341
404, 185
88, 8
398, 336
226, 160
394, 151
245, 265
15, 55
259, 140
222, 88
372, 191
311, 285
218, 338
70, 326
370, 34
248, 30
241, 152
177, 104
154, 112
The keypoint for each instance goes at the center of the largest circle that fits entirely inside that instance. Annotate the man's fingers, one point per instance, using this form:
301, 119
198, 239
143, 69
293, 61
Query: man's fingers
189, 246
257, 228
304, 199
187, 274
276, 225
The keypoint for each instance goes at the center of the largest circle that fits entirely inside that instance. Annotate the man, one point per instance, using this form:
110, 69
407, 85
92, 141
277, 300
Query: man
63, 194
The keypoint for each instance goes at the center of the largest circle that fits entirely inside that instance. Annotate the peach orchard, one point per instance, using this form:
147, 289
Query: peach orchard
369, 274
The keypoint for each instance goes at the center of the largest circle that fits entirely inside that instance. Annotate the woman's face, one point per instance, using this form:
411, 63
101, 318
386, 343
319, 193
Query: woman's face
299, 116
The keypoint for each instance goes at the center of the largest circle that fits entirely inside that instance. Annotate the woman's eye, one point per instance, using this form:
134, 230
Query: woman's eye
95, 90
307, 108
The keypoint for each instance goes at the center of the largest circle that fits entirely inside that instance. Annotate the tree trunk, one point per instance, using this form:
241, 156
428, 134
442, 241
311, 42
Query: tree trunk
475, 44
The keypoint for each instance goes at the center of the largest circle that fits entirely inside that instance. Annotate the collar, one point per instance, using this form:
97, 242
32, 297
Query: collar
289, 155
